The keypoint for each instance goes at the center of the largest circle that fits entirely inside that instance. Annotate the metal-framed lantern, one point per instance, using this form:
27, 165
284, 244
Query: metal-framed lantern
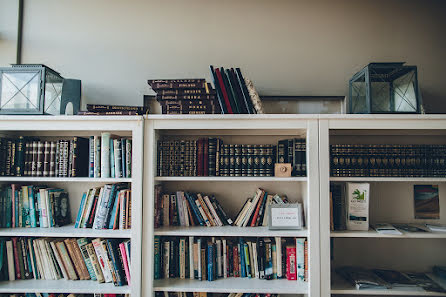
385, 88
30, 89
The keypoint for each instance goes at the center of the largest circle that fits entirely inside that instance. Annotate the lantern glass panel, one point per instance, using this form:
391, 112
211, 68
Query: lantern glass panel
358, 95
20, 90
53, 93
404, 92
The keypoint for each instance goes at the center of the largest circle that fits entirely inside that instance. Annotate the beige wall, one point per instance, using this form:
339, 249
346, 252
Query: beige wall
287, 47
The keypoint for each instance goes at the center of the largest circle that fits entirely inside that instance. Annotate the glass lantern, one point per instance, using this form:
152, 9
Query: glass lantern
385, 88
30, 89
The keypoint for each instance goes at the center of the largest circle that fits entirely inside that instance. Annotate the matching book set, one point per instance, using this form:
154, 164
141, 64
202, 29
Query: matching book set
219, 257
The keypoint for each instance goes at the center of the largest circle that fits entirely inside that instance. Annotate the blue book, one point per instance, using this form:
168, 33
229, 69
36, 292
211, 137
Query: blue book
210, 274
8, 207
79, 213
32, 207
194, 208
113, 212
112, 159
16, 209
91, 156
241, 249
110, 204
123, 155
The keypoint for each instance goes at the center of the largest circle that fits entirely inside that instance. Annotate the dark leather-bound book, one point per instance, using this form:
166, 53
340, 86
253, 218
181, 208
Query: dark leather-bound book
231, 160
223, 91
212, 156
182, 92
237, 90
205, 157
218, 90
80, 159
256, 160
109, 108
237, 160
39, 164
250, 160
200, 150
244, 89
195, 83
232, 100
20, 156
108, 113
186, 97
46, 158
244, 160
237, 101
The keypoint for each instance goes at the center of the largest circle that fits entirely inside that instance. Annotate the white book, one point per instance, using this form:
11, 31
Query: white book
54, 265
225, 264
122, 210
244, 212
179, 197
254, 259
105, 154
269, 200
43, 208
33, 259
97, 156
117, 149
103, 260
38, 259
102, 207
199, 258
357, 195
253, 207
191, 257
206, 210
213, 212
49, 273
300, 258
251, 259
186, 216
436, 227
10, 257
387, 229
239, 217
279, 256
59, 260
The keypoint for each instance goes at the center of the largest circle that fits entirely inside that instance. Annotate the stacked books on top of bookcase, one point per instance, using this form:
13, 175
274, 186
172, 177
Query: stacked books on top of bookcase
388, 160
212, 157
185, 96
70, 259
216, 257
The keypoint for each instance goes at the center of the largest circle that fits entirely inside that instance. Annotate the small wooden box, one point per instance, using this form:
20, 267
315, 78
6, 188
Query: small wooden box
282, 169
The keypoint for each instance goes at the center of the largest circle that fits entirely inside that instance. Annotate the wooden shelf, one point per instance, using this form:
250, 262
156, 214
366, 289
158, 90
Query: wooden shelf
390, 179
342, 287
65, 231
57, 286
228, 231
232, 285
34, 179
229, 178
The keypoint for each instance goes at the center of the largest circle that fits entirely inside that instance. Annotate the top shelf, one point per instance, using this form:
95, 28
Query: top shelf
389, 179
230, 178
20, 179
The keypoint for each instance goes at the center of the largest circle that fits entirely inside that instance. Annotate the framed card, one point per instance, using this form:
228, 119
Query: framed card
285, 216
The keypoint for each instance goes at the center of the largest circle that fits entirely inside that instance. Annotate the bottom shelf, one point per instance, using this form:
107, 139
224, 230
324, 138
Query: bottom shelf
341, 287
62, 286
232, 285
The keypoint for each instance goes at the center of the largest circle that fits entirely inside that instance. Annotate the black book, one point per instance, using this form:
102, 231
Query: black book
237, 160
250, 160
232, 101
237, 90
282, 151
62, 214
256, 160
244, 89
113, 252
244, 160
212, 156
231, 160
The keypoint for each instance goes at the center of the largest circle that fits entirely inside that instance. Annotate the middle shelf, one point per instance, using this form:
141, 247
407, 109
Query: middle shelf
228, 231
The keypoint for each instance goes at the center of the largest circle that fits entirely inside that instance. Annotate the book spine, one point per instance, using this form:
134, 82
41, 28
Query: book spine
34, 158
95, 263
291, 273
57, 159
112, 159
52, 160
82, 244
177, 84
125, 263
300, 258
118, 155
106, 108
46, 158
128, 158
105, 155
103, 260
40, 156
20, 164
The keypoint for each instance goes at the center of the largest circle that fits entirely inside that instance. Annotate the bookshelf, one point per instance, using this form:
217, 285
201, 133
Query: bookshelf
51, 127
231, 193
391, 201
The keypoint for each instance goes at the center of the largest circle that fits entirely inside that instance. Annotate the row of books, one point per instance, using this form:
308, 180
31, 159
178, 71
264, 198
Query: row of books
205, 294
211, 157
235, 94
188, 209
97, 156
33, 206
216, 257
70, 259
185, 96
255, 210
374, 279
62, 295
107, 207
110, 156
388, 160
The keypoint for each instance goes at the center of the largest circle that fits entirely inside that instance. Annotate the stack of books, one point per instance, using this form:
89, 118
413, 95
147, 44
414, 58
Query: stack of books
211, 157
70, 259
388, 160
110, 156
33, 206
210, 259
254, 212
188, 209
107, 207
236, 95
185, 96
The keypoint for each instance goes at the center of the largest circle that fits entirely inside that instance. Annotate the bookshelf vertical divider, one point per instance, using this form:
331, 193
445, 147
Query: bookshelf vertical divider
84, 126
238, 129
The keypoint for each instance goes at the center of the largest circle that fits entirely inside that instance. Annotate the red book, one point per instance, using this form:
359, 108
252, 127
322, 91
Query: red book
256, 213
16, 258
200, 157
291, 273
125, 262
205, 157
235, 261
306, 260
223, 90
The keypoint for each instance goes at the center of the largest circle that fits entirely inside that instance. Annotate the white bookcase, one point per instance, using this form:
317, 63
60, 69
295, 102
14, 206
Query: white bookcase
64, 126
232, 192
391, 201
